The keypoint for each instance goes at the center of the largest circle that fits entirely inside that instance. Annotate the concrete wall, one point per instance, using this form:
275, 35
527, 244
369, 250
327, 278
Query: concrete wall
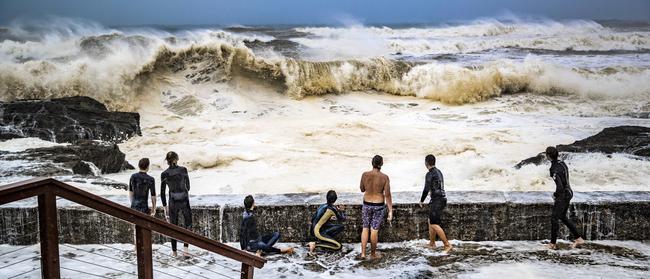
469, 216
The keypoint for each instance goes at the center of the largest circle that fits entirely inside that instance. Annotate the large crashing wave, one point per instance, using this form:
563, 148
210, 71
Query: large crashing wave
475, 36
117, 67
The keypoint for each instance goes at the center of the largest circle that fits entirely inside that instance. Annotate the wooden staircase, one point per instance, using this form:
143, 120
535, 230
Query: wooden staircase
48, 189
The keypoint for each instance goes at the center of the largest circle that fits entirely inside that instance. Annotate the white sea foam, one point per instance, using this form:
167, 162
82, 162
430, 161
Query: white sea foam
22, 144
490, 259
481, 35
246, 122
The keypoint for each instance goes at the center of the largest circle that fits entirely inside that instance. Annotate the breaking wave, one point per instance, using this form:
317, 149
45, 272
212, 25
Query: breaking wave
117, 67
475, 36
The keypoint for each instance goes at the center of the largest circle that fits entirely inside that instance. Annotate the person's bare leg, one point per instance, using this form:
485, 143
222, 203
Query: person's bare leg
312, 246
186, 251
432, 237
443, 237
287, 250
364, 242
578, 242
374, 238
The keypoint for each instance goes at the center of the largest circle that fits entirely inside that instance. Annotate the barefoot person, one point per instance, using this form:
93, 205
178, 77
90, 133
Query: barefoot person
250, 239
435, 184
322, 226
178, 180
562, 196
140, 185
376, 188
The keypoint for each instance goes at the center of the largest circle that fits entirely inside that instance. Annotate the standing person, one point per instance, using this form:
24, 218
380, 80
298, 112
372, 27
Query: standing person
322, 227
178, 180
250, 239
435, 183
561, 197
376, 188
140, 185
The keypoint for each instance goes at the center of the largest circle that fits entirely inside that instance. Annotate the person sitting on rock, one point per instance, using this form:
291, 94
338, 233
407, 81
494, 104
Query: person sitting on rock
322, 227
140, 185
250, 239
561, 198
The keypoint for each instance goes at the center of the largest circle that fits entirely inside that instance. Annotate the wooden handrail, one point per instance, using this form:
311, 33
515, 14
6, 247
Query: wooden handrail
47, 189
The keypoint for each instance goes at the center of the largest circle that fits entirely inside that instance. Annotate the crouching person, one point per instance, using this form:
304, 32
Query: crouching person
250, 239
323, 227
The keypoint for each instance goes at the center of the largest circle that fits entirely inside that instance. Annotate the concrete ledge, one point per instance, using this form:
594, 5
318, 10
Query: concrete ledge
477, 216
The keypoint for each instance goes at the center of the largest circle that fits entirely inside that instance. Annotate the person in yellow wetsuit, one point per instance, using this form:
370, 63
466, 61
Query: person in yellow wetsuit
322, 226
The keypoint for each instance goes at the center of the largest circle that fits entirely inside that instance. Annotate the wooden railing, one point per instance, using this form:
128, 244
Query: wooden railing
47, 189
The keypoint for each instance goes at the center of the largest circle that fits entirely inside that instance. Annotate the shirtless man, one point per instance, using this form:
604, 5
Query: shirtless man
376, 188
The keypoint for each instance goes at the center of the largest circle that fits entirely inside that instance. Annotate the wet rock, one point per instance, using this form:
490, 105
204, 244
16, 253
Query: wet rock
69, 119
536, 160
110, 183
84, 168
634, 140
85, 158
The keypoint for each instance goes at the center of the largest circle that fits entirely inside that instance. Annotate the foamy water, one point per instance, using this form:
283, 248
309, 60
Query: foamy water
304, 109
502, 259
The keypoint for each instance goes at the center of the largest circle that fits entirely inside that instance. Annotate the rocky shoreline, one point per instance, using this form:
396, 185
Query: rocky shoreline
633, 140
90, 131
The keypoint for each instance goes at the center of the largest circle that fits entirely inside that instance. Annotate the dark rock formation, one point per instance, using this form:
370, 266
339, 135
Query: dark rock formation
634, 140
66, 120
85, 157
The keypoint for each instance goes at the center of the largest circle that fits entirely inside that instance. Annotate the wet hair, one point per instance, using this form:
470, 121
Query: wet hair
331, 197
248, 202
143, 164
377, 162
430, 160
552, 153
171, 158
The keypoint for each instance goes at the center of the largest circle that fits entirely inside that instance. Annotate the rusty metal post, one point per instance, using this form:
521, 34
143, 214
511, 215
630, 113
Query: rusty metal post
247, 271
49, 234
143, 247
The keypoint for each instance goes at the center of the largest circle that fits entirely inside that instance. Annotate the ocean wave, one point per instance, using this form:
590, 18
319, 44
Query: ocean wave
218, 63
477, 36
118, 67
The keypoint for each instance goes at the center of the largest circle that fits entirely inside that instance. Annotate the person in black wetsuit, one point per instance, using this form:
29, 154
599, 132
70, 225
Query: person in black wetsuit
323, 229
435, 184
250, 239
561, 197
140, 185
178, 180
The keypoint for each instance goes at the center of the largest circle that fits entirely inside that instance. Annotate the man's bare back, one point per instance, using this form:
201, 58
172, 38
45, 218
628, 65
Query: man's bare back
373, 185
376, 198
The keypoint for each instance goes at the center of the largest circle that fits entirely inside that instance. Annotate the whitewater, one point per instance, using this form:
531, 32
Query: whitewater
278, 109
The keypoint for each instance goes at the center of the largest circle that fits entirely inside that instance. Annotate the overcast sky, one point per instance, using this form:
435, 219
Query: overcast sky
167, 12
